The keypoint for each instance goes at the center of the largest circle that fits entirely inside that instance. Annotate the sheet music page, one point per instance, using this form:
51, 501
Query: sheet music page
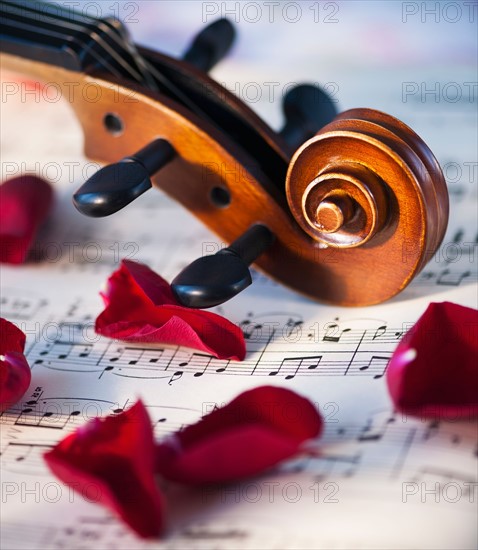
382, 480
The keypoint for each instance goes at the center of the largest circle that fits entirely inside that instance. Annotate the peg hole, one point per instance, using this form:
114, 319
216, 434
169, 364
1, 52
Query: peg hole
113, 124
220, 197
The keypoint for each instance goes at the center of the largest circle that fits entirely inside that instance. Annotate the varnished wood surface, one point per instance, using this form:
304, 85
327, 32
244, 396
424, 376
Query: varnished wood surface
207, 158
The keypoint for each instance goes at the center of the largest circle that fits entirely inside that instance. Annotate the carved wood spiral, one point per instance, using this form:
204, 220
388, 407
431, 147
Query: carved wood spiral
367, 181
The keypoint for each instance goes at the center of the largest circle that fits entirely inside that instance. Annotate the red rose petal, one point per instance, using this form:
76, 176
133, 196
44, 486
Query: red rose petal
434, 370
255, 431
15, 374
24, 204
140, 307
11, 338
115, 456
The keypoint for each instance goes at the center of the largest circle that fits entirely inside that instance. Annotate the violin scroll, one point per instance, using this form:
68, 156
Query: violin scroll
367, 178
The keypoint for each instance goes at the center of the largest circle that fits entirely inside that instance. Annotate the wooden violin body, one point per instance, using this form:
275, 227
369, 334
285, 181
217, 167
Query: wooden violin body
356, 211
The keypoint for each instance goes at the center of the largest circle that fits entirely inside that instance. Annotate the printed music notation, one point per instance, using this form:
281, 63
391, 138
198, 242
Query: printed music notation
29, 430
24, 458
49, 414
391, 446
445, 277
386, 452
454, 264
105, 532
386, 444
332, 351
21, 305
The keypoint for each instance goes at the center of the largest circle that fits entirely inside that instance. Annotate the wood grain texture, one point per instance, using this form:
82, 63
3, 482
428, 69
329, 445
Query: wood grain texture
369, 161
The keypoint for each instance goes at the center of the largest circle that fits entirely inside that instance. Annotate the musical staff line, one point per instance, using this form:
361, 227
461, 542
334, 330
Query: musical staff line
345, 352
363, 363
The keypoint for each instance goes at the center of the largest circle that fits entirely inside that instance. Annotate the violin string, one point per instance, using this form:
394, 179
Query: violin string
151, 73
40, 20
118, 27
177, 93
35, 30
148, 74
30, 19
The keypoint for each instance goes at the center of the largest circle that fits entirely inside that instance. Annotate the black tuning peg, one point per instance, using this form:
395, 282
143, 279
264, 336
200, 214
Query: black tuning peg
116, 185
212, 280
211, 45
307, 109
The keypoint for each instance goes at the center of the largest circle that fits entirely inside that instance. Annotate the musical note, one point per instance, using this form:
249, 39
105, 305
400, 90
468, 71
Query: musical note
250, 329
458, 236
376, 427
261, 329
293, 365
432, 429
333, 334
24, 457
447, 278
380, 332
221, 366
292, 327
175, 376
22, 305
336, 465
377, 362
202, 358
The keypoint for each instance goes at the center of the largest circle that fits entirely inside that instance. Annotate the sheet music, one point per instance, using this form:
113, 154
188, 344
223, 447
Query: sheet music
379, 479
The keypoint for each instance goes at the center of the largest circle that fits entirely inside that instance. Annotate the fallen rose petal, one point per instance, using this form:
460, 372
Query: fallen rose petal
15, 373
25, 202
112, 459
433, 372
140, 307
254, 432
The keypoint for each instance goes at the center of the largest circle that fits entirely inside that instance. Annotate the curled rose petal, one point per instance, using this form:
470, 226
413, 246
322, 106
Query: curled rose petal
113, 458
15, 374
140, 307
255, 431
433, 372
24, 205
